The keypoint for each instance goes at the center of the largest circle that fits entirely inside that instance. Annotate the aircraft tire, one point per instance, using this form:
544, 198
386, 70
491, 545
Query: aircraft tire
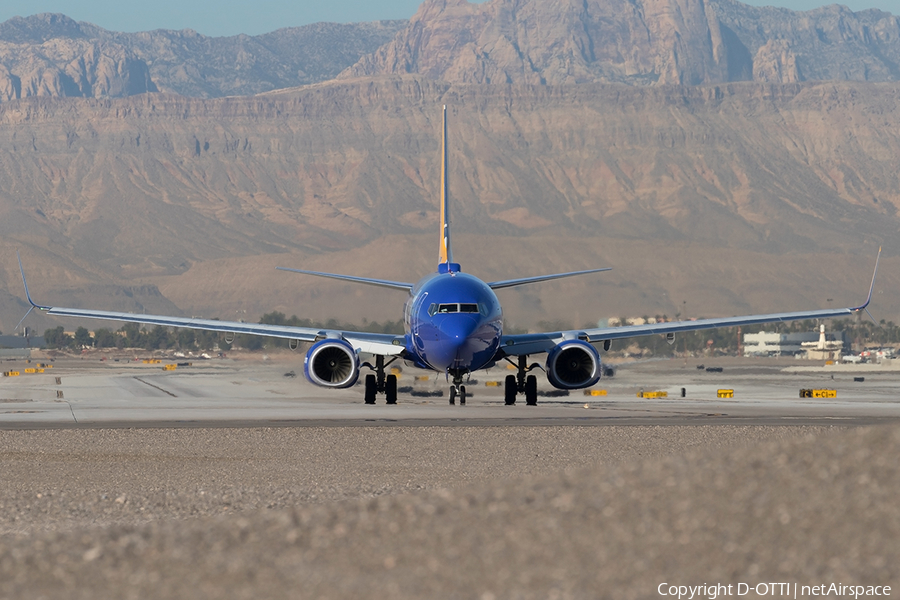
531, 390
390, 389
462, 395
452, 394
371, 389
510, 389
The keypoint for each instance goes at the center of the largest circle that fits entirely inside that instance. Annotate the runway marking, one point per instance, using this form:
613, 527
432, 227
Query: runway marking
156, 386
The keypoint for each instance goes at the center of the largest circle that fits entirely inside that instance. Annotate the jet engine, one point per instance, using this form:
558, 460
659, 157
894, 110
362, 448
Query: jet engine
332, 363
572, 365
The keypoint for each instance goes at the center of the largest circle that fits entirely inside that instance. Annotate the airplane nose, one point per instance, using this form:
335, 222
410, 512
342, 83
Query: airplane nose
457, 329
454, 334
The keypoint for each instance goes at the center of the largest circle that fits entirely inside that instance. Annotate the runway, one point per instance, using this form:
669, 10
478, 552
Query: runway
250, 392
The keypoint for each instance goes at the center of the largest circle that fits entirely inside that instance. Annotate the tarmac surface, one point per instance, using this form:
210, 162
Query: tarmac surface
229, 479
255, 392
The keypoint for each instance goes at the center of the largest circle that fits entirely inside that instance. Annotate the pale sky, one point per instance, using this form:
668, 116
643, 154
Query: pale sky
230, 17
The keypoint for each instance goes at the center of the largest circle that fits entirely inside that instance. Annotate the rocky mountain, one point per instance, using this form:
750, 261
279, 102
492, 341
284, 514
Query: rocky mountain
687, 143
729, 198
638, 42
52, 55
829, 43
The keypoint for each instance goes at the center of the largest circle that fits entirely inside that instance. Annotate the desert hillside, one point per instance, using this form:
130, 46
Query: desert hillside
149, 189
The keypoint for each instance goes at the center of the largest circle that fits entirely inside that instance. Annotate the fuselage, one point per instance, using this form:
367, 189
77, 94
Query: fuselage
453, 322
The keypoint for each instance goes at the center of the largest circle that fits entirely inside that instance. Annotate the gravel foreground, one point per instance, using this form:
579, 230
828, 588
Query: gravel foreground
432, 512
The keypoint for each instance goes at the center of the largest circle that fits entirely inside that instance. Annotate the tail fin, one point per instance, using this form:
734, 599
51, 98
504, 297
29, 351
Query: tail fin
445, 257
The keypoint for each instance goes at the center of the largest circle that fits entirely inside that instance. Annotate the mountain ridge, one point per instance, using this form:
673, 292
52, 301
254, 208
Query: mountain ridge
54, 47
638, 42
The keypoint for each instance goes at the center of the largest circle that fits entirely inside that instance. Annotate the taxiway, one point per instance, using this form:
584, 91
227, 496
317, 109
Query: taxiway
251, 392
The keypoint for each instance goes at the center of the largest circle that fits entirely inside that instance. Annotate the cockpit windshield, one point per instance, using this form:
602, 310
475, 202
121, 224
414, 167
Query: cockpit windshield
453, 307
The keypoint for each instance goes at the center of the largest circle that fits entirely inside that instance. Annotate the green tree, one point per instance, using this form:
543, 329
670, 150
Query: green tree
134, 336
157, 338
83, 338
253, 342
185, 338
274, 318
57, 338
104, 338
206, 340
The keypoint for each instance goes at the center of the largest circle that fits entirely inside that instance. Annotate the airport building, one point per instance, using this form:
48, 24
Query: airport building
18, 341
812, 345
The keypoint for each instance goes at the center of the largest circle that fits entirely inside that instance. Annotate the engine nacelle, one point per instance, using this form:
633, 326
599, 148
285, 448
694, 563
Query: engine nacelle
573, 365
332, 363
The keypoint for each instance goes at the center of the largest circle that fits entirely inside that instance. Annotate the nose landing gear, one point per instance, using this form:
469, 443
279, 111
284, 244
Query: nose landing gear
457, 389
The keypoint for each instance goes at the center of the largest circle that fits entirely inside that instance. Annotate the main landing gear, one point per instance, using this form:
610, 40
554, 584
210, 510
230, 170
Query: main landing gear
381, 383
457, 389
520, 383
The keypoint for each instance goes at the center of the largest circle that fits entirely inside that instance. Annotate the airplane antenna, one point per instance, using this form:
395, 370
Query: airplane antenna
446, 255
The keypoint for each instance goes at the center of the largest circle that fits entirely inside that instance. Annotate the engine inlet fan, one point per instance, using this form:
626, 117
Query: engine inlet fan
333, 364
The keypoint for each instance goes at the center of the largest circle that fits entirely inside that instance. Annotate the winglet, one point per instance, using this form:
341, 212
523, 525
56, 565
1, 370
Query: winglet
25, 283
872, 286
27, 295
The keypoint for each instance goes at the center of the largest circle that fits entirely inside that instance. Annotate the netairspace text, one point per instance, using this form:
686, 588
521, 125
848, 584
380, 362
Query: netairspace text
778, 589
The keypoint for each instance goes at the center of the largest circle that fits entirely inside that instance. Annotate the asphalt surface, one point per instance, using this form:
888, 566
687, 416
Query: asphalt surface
250, 392
439, 508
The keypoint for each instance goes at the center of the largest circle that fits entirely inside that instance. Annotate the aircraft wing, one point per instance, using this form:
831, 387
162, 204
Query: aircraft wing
375, 343
499, 285
386, 344
533, 343
396, 285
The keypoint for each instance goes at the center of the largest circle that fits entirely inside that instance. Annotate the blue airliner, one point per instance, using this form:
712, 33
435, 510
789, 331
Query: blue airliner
454, 325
